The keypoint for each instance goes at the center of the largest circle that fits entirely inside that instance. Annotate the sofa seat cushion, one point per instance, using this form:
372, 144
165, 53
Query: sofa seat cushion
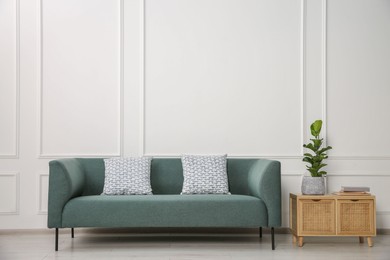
165, 211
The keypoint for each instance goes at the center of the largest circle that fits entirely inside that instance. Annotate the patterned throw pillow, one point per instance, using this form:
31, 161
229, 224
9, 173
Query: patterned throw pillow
127, 176
204, 174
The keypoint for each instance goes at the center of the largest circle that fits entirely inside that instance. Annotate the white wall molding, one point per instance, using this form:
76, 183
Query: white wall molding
17, 138
352, 174
359, 174
292, 174
39, 83
74, 155
121, 78
324, 55
329, 8
15, 155
249, 156
302, 76
324, 72
142, 78
15, 175
292, 157
322, 81
42, 210
379, 174
41, 153
359, 158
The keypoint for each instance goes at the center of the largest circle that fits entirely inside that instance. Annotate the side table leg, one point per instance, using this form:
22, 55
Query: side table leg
361, 240
294, 240
300, 241
369, 241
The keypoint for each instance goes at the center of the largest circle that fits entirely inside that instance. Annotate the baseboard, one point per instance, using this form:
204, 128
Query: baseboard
233, 231
383, 231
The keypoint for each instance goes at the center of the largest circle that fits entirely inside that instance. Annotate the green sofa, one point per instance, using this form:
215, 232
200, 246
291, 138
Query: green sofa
75, 200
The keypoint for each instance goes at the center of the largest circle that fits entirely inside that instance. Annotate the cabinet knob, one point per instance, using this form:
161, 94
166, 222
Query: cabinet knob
317, 200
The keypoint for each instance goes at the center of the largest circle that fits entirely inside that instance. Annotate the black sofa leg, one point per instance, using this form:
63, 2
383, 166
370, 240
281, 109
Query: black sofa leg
56, 243
72, 232
260, 232
273, 238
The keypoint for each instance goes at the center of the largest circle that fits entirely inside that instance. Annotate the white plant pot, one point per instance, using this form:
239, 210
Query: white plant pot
313, 185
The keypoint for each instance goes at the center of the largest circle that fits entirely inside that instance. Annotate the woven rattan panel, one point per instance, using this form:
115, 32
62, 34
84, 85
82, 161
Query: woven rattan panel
355, 217
318, 216
294, 214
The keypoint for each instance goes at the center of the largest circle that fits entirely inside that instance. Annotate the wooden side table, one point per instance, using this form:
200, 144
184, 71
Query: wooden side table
332, 215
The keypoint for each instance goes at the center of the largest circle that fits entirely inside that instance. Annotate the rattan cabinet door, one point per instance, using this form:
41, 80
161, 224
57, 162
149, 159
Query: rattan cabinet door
356, 217
318, 217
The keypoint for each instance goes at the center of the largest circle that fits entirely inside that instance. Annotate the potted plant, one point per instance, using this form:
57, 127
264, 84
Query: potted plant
315, 183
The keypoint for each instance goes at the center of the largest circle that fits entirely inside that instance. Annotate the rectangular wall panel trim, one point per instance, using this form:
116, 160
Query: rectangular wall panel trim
15, 154
380, 27
324, 87
41, 153
142, 148
324, 70
323, 62
303, 87
360, 174
354, 158
303, 72
249, 156
345, 174
41, 209
142, 78
16, 195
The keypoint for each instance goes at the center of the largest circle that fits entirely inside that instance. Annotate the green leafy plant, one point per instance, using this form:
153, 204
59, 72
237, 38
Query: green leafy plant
315, 160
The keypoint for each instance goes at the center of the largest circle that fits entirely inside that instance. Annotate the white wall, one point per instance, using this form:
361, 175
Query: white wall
98, 78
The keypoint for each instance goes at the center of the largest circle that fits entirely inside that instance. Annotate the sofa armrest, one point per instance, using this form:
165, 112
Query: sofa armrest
264, 181
66, 181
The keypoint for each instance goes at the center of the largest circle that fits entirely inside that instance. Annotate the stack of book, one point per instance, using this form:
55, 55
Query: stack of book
353, 190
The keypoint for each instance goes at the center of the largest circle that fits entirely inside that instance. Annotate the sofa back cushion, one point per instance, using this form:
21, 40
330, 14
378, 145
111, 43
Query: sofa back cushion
167, 175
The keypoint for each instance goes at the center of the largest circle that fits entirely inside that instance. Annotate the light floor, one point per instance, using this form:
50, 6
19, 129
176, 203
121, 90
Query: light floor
34, 245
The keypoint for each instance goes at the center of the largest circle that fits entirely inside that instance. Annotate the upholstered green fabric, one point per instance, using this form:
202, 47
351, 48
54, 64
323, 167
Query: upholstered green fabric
165, 211
65, 182
82, 179
166, 176
265, 183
